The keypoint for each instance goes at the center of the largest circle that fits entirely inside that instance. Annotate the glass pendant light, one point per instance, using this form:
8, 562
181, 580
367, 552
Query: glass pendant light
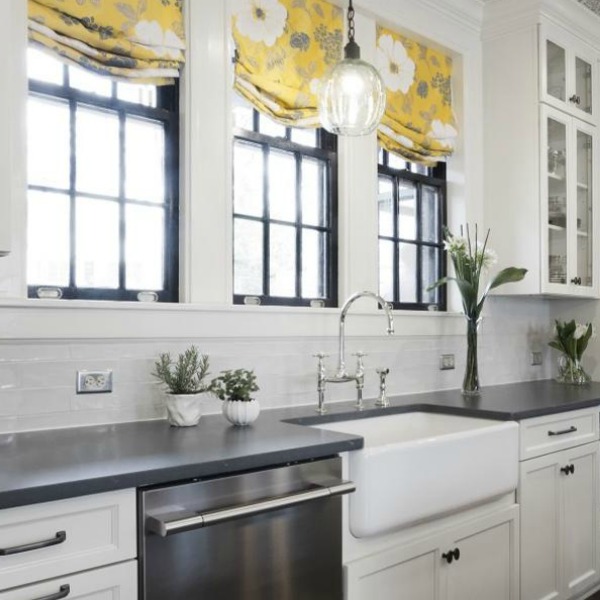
352, 96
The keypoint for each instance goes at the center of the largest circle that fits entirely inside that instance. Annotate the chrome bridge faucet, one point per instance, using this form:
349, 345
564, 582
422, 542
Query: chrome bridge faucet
342, 375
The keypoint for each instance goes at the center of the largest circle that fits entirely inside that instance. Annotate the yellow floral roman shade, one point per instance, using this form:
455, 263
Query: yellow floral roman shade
141, 40
418, 122
283, 48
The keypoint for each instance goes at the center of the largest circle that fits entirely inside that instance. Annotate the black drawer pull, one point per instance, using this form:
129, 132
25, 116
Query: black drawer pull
63, 592
568, 469
571, 429
59, 538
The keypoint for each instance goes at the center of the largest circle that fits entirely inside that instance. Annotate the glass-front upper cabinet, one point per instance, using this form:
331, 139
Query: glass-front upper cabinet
568, 73
570, 223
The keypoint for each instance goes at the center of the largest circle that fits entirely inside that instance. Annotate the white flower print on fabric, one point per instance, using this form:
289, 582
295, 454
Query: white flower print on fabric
394, 64
163, 43
444, 133
261, 20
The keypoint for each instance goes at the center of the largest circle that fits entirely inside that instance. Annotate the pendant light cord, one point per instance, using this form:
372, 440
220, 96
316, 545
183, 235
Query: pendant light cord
351, 50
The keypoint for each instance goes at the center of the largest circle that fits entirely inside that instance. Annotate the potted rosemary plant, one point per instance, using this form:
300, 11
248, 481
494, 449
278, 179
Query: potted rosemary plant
185, 382
235, 389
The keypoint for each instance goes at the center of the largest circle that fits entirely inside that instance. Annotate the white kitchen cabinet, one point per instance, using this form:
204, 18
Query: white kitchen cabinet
118, 582
558, 495
476, 560
46, 540
541, 149
567, 73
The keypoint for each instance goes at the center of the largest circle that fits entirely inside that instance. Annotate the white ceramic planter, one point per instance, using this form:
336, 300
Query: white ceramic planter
184, 410
241, 413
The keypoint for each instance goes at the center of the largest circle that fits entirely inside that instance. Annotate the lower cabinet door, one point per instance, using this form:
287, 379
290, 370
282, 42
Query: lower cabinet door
118, 582
482, 560
540, 501
580, 524
401, 573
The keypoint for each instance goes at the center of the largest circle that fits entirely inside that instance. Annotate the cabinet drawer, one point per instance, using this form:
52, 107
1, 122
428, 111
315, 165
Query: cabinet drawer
118, 582
550, 433
48, 540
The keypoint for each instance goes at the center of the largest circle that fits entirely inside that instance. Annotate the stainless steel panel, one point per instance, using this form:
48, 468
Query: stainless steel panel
289, 553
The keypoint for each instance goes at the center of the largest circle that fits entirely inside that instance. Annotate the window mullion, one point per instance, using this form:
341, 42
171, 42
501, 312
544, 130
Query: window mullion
299, 257
266, 225
122, 175
72, 186
419, 249
396, 216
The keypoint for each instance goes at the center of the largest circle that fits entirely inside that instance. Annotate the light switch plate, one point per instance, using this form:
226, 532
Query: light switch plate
537, 358
447, 362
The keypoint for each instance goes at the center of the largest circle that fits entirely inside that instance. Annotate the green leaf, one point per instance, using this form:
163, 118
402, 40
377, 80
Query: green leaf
440, 282
508, 275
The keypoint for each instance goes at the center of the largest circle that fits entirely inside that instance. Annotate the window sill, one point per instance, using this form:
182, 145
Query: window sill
31, 319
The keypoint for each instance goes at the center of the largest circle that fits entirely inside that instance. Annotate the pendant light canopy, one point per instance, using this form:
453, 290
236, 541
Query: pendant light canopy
352, 96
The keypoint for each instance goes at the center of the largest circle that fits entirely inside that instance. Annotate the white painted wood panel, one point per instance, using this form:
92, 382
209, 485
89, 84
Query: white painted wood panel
99, 529
118, 582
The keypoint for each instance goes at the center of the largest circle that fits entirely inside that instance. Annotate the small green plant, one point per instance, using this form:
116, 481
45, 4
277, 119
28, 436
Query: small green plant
235, 385
186, 375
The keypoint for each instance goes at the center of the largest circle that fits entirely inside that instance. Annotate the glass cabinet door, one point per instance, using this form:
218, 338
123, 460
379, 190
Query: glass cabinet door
557, 201
584, 211
556, 71
583, 85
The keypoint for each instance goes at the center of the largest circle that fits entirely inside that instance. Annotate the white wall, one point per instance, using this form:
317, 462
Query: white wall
43, 344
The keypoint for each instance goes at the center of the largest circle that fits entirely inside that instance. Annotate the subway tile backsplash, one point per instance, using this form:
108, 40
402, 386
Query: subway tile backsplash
37, 379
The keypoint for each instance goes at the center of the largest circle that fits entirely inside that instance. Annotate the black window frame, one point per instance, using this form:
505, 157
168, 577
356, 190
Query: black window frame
326, 150
419, 176
166, 112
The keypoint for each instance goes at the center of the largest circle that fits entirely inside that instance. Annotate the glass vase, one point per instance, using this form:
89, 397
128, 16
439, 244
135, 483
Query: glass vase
470, 386
570, 371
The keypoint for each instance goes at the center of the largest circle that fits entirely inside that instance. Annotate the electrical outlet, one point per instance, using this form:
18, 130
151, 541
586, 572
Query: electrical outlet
537, 358
94, 382
446, 362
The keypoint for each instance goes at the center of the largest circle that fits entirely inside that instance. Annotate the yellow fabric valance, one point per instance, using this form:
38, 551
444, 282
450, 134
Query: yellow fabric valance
283, 48
141, 40
418, 122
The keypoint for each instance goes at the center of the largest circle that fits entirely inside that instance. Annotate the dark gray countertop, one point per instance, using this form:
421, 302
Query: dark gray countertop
49, 465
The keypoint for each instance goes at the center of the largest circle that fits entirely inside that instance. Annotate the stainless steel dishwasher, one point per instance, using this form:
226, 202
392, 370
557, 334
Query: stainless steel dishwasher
273, 534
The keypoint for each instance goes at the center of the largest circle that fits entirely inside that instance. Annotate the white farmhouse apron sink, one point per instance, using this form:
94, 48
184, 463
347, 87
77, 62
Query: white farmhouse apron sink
416, 466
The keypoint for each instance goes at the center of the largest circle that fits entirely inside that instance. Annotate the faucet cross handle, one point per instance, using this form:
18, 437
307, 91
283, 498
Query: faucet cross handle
360, 365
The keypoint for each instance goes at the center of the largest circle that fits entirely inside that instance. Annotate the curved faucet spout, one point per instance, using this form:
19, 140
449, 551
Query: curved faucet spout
341, 371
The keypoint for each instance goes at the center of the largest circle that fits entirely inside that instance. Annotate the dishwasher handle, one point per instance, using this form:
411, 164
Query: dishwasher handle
164, 528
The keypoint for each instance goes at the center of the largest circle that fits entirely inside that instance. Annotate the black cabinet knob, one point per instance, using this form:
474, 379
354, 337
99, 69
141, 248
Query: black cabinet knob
575, 99
569, 469
451, 555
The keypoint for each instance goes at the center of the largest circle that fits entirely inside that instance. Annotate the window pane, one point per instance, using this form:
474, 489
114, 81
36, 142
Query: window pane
48, 144
408, 272
144, 247
144, 160
243, 113
313, 192
248, 257
430, 214
282, 185
97, 152
386, 206
86, 81
283, 261
381, 153
396, 162
97, 244
407, 210
313, 264
48, 239
146, 95
386, 270
248, 176
305, 137
43, 67
270, 127
430, 273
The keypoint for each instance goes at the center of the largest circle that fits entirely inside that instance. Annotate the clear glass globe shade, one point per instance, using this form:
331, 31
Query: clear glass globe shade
352, 98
